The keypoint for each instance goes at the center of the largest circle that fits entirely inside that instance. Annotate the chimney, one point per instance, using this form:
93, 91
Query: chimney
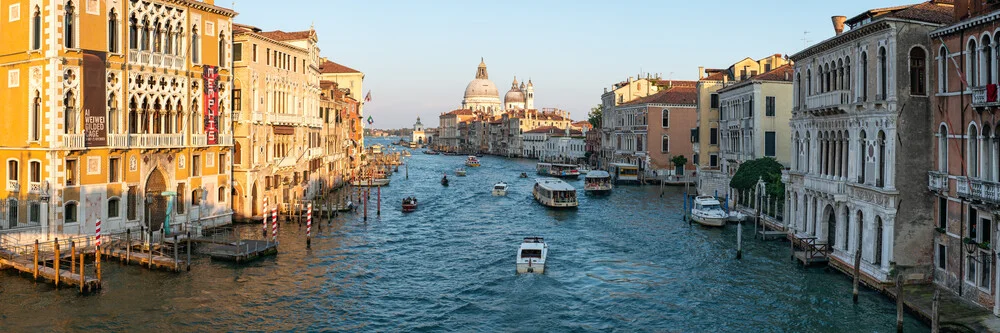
701, 72
838, 24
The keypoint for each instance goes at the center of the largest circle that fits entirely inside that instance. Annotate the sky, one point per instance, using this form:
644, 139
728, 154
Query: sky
418, 56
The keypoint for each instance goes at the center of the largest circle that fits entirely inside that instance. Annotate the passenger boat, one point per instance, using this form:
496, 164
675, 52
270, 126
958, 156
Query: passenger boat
500, 189
431, 152
460, 172
624, 172
409, 204
372, 182
597, 182
708, 211
444, 180
557, 170
583, 169
555, 193
531, 255
472, 161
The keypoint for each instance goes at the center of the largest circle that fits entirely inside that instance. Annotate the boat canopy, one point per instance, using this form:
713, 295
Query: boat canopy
553, 184
598, 174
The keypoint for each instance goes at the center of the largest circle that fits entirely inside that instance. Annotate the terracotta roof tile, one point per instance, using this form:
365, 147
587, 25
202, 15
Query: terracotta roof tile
715, 76
939, 11
332, 67
279, 35
676, 95
463, 112
782, 73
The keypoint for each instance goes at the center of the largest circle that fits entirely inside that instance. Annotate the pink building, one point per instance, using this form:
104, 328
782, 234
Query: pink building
650, 131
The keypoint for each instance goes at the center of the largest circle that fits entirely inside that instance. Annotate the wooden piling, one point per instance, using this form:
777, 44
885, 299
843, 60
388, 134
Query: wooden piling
128, 245
857, 271
82, 283
97, 262
177, 267
55, 261
935, 320
739, 240
188, 262
899, 303
36, 261
72, 257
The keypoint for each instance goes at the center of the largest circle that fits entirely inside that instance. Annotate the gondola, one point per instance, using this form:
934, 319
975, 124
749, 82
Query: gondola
444, 181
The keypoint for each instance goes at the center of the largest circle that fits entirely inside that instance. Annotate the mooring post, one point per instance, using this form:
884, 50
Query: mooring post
177, 267
857, 271
378, 211
188, 262
899, 303
739, 240
55, 260
934, 311
97, 263
72, 257
36, 260
128, 245
82, 280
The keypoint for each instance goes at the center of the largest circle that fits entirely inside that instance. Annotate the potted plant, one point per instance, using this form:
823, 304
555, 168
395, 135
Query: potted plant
940, 230
984, 245
679, 161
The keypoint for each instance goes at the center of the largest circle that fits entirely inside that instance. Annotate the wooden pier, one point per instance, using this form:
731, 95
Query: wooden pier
243, 251
145, 259
808, 251
29, 260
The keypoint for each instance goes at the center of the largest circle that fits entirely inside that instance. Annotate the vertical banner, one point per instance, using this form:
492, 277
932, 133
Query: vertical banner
211, 103
95, 104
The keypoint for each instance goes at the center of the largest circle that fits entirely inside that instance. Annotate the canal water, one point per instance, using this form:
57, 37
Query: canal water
621, 262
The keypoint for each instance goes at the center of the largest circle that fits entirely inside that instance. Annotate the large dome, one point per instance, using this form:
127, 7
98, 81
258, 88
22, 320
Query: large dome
481, 88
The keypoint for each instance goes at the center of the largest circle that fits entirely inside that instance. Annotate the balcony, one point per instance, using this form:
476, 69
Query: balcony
179, 63
937, 181
74, 142
314, 152
257, 117
34, 188
199, 140
986, 191
289, 119
828, 101
155, 141
13, 186
837, 188
982, 98
224, 140
118, 141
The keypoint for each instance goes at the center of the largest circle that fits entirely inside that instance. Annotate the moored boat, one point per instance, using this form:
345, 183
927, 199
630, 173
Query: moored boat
597, 182
707, 211
500, 189
472, 161
555, 193
557, 170
531, 255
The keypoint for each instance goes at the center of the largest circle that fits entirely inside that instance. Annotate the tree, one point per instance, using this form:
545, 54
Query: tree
679, 161
766, 168
595, 115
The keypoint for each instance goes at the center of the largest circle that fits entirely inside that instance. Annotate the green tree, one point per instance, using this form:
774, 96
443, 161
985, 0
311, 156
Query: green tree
595, 115
766, 168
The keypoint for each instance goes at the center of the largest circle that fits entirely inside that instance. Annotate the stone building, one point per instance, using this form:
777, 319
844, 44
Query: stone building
650, 131
481, 94
754, 114
860, 137
418, 135
108, 107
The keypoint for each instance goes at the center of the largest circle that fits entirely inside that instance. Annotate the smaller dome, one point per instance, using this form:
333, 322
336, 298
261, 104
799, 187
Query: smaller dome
513, 96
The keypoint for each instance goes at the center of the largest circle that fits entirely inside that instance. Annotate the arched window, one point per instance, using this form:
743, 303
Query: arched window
180, 198
112, 32
222, 194
169, 37
35, 172
985, 62
847, 73
114, 208
222, 51
133, 33
809, 82
986, 160
195, 198
69, 213
36, 24
237, 153
36, 118
157, 35
942, 76
70, 116
918, 83
808, 156
883, 74
195, 47
877, 258
862, 148
12, 170
973, 139
144, 43
972, 64
799, 97
133, 117
666, 118
864, 76
69, 26
943, 149
881, 160
665, 144
840, 74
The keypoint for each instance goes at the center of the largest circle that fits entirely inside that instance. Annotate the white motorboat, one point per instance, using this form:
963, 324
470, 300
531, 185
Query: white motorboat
531, 255
500, 189
597, 182
708, 211
371, 182
460, 172
555, 193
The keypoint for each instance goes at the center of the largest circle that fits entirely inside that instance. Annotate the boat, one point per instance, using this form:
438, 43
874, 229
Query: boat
371, 182
524, 175
531, 255
460, 172
472, 161
736, 216
500, 189
444, 181
557, 170
708, 211
624, 172
409, 204
583, 169
479, 154
597, 182
345, 207
406, 153
554, 193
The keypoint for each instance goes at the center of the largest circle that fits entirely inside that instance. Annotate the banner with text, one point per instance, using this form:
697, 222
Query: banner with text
211, 104
95, 103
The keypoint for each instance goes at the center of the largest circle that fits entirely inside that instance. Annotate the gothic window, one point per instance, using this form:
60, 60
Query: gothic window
883, 74
972, 64
133, 117
864, 76
113, 114
222, 50
882, 163
942, 76
847, 73
36, 118
113, 32
862, 149
809, 89
943, 148
70, 116
69, 26
133, 33
145, 35
157, 35
918, 84
36, 23
985, 60
195, 47
973, 149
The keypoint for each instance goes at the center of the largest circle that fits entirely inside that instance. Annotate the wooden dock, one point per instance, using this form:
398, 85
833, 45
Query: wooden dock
243, 251
65, 277
767, 234
145, 259
807, 259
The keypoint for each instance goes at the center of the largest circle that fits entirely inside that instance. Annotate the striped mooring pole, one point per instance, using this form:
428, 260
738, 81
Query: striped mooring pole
97, 253
265, 218
274, 224
309, 222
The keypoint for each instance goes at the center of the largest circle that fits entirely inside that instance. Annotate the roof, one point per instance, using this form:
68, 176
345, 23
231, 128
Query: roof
783, 73
597, 174
279, 35
327, 84
715, 75
676, 95
938, 11
554, 184
463, 112
554, 131
676, 83
332, 67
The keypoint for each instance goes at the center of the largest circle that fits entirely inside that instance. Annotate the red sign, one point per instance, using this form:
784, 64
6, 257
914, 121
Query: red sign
211, 104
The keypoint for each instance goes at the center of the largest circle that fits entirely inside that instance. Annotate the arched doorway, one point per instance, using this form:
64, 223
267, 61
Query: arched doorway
237, 200
155, 202
254, 208
831, 225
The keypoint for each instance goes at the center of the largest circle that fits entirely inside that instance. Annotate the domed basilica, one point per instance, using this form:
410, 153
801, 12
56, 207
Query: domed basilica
481, 94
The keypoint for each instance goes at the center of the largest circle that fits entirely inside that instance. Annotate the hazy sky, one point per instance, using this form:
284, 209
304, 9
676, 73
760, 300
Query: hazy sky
418, 56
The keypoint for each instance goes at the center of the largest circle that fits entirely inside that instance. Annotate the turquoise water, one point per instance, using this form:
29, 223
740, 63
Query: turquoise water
624, 262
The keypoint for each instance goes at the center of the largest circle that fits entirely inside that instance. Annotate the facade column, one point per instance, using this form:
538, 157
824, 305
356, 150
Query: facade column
811, 215
890, 156
887, 241
803, 206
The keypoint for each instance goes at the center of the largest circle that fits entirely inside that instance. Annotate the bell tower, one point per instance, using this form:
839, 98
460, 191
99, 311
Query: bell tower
481, 71
529, 96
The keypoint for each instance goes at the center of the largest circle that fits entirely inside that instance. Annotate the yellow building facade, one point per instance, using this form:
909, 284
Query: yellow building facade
114, 110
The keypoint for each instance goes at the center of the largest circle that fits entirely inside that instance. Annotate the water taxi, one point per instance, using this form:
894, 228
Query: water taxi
531, 255
624, 172
555, 193
460, 172
500, 189
472, 161
557, 170
708, 211
597, 182
371, 182
409, 204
